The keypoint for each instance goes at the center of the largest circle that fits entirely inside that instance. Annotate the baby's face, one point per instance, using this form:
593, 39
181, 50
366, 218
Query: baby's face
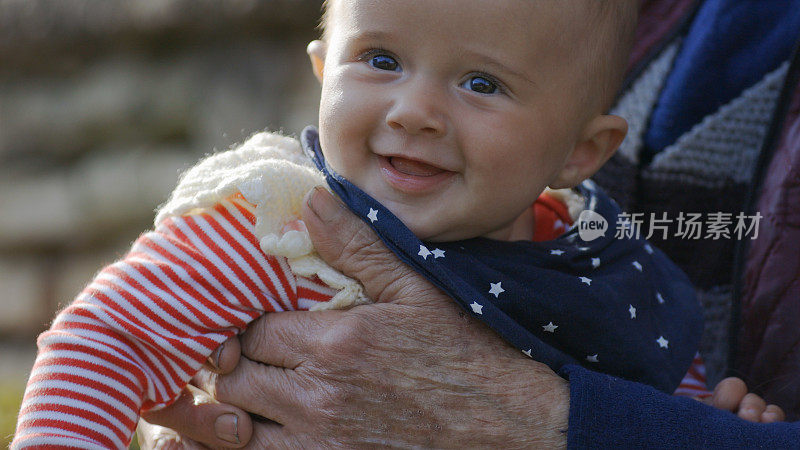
454, 114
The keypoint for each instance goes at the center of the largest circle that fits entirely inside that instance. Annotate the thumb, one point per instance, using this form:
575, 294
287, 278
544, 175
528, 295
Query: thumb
349, 245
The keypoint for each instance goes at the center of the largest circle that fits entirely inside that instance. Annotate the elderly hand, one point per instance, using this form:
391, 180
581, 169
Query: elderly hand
411, 370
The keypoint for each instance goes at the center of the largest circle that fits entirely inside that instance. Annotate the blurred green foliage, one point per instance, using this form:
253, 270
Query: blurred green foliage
10, 398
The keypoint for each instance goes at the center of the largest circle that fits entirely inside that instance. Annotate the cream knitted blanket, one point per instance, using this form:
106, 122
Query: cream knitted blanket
272, 173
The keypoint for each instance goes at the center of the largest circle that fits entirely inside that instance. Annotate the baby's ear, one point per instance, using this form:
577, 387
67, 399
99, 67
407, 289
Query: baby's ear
600, 140
316, 53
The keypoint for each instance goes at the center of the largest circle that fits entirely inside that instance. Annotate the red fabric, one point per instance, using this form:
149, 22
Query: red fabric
551, 218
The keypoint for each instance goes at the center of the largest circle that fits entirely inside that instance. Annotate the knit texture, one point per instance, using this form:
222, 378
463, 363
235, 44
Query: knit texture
271, 172
705, 171
723, 147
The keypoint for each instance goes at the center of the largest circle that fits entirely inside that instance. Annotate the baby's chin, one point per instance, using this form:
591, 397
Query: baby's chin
437, 232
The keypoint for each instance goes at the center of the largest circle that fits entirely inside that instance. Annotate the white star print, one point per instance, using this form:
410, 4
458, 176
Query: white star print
637, 265
496, 289
659, 298
588, 281
476, 308
595, 262
632, 310
663, 343
648, 249
438, 253
373, 215
557, 252
424, 252
550, 328
527, 353
592, 358
583, 249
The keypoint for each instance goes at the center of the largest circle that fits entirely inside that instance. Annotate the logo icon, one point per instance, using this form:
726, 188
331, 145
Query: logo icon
591, 225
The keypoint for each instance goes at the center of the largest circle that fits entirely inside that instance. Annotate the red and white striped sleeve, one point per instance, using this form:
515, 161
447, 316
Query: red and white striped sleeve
135, 336
694, 383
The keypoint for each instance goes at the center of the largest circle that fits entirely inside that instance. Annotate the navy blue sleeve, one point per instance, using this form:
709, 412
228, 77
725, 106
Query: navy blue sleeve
609, 412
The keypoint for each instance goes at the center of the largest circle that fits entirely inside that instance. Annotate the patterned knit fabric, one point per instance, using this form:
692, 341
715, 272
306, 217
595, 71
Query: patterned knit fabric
707, 170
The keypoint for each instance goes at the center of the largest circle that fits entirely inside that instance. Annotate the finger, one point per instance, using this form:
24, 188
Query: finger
258, 388
284, 339
199, 417
156, 437
348, 244
225, 357
728, 394
274, 436
752, 407
772, 414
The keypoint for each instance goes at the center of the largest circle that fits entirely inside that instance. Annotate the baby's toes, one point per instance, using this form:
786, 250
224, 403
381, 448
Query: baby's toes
773, 413
728, 394
751, 408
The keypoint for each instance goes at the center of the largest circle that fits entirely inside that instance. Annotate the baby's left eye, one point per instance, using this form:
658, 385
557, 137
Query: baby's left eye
481, 85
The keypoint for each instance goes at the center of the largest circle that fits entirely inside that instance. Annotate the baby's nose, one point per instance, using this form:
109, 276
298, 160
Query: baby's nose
419, 109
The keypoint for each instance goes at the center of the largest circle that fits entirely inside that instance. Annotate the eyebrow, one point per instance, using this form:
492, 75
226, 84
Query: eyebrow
497, 65
369, 35
378, 35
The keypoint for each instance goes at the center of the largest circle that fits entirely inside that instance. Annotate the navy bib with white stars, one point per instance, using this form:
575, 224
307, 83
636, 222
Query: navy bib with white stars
613, 305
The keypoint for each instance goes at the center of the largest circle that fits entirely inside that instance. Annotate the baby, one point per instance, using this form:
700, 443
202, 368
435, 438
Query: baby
441, 124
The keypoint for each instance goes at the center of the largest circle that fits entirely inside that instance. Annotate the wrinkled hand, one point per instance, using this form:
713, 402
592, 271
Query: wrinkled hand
410, 370
731, 395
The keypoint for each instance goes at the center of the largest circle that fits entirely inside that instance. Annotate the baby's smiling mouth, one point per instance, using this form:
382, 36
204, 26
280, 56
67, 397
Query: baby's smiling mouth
414, 168
413, 177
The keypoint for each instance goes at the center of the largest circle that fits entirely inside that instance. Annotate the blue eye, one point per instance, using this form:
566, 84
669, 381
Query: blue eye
384, 62
481, 85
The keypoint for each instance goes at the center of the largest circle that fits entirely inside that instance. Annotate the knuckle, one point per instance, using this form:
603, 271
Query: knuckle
345, 338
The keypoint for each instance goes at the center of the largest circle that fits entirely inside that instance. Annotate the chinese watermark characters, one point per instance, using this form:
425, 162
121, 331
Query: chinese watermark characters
688, 226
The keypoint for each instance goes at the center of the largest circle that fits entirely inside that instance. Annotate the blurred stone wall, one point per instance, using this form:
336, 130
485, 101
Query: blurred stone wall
104, 102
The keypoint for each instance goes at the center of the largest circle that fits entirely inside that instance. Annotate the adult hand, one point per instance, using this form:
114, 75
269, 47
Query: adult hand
410, 370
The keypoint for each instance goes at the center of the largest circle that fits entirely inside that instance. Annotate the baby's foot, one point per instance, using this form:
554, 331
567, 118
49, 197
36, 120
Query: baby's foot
731, 395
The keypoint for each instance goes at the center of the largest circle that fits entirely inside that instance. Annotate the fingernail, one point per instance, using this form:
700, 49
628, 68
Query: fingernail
322, 203
226, 427
213, 360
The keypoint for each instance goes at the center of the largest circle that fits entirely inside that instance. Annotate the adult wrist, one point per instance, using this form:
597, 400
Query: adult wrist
539, 402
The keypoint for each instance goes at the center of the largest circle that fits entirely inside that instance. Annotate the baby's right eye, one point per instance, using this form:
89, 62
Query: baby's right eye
384, 62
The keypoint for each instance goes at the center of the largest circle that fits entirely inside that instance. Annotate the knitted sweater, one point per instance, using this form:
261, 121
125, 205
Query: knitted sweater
699, 101
751, 165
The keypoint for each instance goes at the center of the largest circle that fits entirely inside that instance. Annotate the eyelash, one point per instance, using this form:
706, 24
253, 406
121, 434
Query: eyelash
497, 84
367, 56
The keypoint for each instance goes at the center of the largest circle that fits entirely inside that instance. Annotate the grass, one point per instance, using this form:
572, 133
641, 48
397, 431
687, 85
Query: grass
10, 398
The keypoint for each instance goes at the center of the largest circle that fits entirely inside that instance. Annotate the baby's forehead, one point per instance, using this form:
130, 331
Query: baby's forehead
575, 18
